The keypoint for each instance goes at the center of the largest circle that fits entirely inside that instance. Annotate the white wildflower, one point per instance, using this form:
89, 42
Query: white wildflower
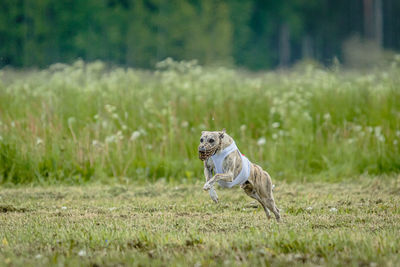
135, 135
124, 127
378, 130
110, 139
184, 124
243, 127
113, 208
63, 208
95, 142
13, 124
333, 210
115, 116
275, 125
119, 135
142, 131
398, 133
261, 141
274, 136
38, 256
110, 108
327, 116
307, 116
71, 120
381, 138
39, 141
309, 208
395, 142
82, 253
96, 117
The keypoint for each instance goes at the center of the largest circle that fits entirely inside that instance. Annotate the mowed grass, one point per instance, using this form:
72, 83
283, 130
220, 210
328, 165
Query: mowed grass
353, 223
73, 124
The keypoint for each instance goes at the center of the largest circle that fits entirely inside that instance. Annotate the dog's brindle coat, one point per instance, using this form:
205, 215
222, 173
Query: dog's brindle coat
258, 185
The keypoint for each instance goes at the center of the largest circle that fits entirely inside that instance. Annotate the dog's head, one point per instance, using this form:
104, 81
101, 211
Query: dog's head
210, 143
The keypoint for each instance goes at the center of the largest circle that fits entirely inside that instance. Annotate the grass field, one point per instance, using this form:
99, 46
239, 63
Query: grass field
76, 123
336, 224
99, 166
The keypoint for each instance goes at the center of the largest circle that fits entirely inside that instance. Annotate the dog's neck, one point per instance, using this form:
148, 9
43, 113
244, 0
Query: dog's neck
225, 142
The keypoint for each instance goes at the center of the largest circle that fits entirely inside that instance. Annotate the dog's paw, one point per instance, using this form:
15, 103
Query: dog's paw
214, 196
207, 186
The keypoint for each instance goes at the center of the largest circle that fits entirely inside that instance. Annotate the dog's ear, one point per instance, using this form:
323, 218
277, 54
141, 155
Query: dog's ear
222, 133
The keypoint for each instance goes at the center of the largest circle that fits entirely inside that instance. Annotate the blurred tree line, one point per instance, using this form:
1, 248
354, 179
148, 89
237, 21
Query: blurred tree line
255, 34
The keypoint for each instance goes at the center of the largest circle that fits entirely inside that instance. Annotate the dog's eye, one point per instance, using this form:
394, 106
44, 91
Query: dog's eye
201, 140
211, 140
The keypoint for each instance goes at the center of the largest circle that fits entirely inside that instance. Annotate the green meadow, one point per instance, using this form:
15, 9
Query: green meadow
78, 123
351, 223
99, 166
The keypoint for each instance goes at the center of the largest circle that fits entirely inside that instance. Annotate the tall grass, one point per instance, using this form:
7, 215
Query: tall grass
81, 122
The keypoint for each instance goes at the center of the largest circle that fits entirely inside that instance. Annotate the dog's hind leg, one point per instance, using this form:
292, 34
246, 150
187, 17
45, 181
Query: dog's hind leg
249, 190
270, 203
264, 190
263, 205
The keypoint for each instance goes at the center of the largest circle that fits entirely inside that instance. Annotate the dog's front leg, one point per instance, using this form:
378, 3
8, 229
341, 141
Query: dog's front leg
228, 177
211, 191
213, 194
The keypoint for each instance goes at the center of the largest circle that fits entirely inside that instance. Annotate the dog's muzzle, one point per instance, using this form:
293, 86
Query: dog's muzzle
206, 153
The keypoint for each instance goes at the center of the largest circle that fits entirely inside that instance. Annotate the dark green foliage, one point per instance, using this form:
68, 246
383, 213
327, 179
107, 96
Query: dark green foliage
139, 33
